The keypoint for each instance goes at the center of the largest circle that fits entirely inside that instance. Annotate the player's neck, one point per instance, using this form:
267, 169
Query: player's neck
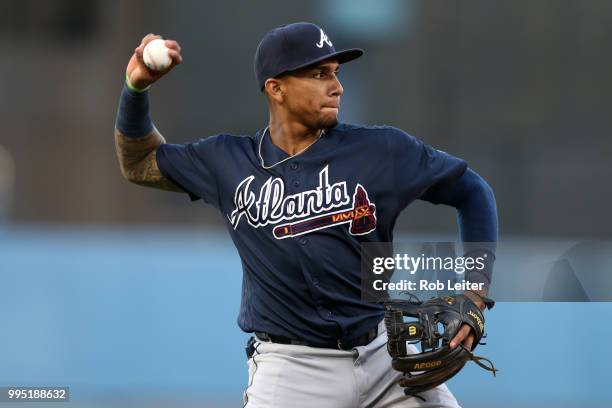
292, 137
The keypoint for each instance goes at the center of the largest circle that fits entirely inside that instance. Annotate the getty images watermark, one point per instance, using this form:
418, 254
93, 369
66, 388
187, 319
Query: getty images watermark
425, 270
512, 270
421, 265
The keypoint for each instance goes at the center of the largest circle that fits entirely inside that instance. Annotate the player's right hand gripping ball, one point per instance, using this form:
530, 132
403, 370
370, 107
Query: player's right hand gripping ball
437, 362
155, 55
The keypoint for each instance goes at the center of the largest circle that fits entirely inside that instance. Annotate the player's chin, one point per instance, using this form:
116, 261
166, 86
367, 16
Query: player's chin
328, 121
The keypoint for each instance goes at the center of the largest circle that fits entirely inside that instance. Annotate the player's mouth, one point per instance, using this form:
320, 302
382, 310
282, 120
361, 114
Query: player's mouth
332, 107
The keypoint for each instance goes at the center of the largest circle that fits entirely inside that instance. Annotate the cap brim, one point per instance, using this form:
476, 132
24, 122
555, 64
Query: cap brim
342, 57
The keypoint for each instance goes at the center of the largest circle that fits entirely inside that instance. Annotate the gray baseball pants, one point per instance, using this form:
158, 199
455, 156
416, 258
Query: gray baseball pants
290, 376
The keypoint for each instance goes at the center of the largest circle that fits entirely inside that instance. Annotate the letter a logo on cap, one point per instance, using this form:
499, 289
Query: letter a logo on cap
324, 39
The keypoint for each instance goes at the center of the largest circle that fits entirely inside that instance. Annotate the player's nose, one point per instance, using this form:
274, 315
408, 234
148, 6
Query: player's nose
337, 89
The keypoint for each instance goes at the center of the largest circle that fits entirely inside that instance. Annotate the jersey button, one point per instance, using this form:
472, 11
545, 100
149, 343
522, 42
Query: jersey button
294, 166
303, 241
296, 183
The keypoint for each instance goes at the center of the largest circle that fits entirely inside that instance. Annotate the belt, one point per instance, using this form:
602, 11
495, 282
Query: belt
339, 344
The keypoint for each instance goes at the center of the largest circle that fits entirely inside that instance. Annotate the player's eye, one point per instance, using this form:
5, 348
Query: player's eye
325, 74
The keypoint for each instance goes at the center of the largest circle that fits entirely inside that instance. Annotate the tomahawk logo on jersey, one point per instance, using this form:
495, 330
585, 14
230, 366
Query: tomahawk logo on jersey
313, 208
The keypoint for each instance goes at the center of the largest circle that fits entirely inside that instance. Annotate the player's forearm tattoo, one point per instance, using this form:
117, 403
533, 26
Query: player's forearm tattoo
137, 160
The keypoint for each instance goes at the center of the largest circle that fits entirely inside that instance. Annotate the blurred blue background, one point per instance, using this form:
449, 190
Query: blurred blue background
130, 295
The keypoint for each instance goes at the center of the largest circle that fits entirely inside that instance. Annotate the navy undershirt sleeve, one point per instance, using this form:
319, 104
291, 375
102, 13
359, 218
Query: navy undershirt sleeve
475, 203
476, 214
133, 117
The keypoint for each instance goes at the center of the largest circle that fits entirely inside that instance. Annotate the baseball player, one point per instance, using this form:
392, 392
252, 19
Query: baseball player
298, 197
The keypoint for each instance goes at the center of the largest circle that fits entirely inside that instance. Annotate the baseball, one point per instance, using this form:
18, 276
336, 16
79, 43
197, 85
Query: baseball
156, 56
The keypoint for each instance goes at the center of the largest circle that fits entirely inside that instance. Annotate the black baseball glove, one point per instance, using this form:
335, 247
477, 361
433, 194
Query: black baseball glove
437, 322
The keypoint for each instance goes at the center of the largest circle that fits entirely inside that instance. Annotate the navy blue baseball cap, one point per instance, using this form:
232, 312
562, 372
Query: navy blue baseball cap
293, 46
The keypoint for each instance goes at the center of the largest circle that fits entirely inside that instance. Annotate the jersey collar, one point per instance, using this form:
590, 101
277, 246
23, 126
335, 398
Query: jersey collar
273, 155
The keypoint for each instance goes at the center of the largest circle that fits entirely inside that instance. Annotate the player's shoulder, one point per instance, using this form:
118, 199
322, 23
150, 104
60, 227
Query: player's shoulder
226, 140
366, 132
350, 128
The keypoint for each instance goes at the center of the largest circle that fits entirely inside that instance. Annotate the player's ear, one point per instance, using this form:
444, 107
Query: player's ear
274, 89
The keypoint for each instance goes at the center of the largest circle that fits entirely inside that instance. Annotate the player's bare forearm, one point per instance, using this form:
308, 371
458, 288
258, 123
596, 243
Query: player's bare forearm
137, 160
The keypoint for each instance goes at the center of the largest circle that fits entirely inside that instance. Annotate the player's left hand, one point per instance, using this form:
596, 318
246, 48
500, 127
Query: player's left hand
465, 336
